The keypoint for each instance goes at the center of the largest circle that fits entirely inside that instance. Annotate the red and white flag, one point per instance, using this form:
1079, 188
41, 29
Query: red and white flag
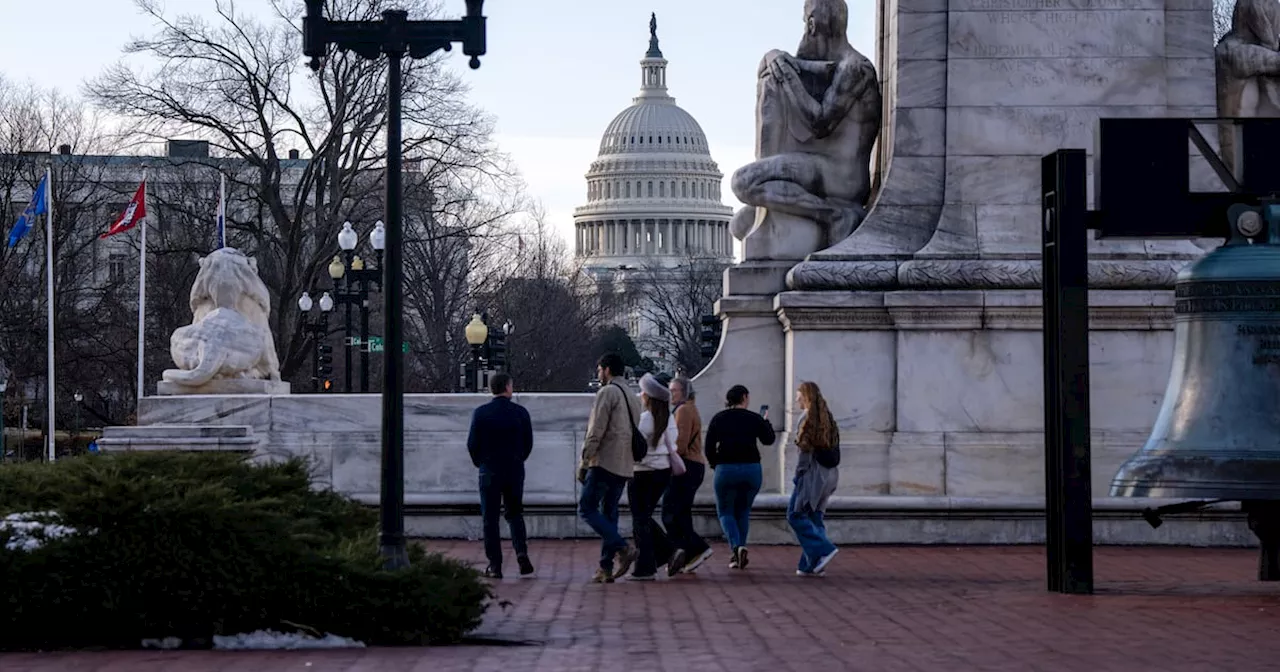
135, 212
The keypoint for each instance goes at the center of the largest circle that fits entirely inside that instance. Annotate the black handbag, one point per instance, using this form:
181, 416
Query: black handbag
639, 447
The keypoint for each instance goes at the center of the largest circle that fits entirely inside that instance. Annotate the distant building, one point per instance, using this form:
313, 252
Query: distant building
653, 201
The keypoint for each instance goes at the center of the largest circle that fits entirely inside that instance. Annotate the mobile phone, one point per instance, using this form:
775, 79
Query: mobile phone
764, 411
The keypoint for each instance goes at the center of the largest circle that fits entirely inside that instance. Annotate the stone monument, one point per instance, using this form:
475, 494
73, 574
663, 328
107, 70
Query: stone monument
817, 118
228, 347
922, 326
1248, 66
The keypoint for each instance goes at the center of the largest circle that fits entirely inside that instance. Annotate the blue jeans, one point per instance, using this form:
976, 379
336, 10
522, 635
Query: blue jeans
498, 490
811, 532
736, 488
598, 507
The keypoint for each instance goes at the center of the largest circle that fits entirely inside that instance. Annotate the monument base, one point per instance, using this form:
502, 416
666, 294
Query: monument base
223, 386
777, 236
186, 438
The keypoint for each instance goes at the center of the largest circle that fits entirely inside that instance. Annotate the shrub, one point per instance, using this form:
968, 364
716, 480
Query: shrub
193, 545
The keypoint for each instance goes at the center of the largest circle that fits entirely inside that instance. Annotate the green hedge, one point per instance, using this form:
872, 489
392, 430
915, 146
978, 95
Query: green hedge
196, 545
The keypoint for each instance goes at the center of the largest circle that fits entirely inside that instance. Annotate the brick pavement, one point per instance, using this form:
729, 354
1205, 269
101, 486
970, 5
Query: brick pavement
880, 609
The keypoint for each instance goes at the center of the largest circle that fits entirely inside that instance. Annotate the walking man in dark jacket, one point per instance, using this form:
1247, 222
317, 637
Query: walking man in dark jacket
500, 441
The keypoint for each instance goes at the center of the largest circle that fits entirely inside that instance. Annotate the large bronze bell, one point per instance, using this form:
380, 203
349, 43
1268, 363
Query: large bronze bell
1218, 433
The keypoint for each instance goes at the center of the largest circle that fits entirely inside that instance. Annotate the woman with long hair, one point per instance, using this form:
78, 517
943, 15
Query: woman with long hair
733, 450
817, 475
652, 475
677, 504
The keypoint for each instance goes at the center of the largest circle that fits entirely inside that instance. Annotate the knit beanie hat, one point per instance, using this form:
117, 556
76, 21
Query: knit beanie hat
656, 390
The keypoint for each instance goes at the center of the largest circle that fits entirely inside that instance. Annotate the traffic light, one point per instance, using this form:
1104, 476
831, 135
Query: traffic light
710, 335
496, 349
324, 361
328, 384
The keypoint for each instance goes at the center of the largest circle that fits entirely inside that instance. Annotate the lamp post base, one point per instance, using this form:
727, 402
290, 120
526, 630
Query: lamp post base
394, 555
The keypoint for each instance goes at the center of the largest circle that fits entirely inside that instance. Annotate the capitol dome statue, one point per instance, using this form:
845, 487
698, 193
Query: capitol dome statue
653, 199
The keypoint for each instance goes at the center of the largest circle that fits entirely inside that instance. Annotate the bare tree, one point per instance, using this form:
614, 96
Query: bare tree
555, 315
93, 343
672, 301
241, 85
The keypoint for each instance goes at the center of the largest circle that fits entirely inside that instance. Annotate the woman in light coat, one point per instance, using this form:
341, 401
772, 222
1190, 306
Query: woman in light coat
816, 478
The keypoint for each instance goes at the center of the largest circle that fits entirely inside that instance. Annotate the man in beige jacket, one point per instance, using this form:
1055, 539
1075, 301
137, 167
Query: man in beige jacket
607, 465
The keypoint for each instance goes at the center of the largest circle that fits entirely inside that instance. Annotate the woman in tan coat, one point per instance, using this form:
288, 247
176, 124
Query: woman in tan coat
677, 504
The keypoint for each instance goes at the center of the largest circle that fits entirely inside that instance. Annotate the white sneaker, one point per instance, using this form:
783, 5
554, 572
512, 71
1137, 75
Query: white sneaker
810, 575
693, 565
824, 561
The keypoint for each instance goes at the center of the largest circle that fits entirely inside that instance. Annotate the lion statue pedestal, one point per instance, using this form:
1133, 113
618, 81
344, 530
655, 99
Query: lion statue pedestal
228, 347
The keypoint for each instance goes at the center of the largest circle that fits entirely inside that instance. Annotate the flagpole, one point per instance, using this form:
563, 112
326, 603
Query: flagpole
48, 251
142, 299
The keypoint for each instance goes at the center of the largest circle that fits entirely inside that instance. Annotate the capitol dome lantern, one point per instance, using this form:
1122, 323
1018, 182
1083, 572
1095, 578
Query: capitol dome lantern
653, 193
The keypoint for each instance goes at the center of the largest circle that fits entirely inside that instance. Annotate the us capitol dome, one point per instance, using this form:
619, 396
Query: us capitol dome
653, 194
653, 199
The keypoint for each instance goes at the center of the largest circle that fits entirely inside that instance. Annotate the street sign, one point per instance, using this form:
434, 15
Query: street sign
375, 344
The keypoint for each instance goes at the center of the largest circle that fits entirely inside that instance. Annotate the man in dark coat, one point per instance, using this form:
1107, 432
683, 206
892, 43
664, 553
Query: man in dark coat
500, 441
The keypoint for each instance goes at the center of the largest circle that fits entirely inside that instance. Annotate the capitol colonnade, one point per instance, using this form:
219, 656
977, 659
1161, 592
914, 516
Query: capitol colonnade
650, 236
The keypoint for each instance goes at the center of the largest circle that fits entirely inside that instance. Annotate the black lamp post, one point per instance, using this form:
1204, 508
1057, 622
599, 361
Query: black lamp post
317, 330
75, 434
396, 36
353, 281
477, 333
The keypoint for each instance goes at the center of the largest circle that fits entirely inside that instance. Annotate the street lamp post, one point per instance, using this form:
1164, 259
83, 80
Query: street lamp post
316, 330
477, 332
75, 435
353, 281
396, 36
4, 385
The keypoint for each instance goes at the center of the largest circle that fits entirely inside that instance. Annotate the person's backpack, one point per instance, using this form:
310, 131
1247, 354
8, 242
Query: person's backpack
639, 447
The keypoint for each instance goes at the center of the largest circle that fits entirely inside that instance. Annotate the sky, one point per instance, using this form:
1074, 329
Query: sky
556, 74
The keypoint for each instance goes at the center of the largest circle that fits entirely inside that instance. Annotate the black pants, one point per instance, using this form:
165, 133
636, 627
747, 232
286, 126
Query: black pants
677, 509
501, 490
644, 492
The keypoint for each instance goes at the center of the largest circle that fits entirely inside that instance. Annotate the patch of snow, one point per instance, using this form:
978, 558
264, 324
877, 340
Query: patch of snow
28, 531
270, 639
166, 644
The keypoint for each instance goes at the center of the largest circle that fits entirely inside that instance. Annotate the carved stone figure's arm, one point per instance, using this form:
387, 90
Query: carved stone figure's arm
817, 68
851, 82
1248, 60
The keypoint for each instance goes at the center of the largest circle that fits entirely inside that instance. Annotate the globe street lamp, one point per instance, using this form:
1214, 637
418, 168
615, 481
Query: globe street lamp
477, 332
317, 330
353, 281
396, 36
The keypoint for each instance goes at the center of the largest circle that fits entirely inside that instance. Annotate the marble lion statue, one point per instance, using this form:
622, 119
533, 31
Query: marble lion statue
229, 335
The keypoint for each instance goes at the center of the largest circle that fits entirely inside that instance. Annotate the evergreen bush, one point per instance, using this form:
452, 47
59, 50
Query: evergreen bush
194, 545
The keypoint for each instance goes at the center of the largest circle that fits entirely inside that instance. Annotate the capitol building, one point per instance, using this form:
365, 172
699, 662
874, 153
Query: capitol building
653, 203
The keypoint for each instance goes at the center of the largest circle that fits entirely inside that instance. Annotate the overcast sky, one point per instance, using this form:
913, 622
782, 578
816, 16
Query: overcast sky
556, 74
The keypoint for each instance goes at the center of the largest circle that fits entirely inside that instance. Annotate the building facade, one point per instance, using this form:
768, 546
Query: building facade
653, 203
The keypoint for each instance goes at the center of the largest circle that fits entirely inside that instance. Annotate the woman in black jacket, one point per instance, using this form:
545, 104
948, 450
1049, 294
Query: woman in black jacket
734, 454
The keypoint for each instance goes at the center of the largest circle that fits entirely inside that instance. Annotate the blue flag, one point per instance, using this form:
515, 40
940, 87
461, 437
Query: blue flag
38, 206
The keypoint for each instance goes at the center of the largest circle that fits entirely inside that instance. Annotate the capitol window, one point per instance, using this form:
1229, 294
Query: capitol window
684, 189
628, 190
650, 190
662, 187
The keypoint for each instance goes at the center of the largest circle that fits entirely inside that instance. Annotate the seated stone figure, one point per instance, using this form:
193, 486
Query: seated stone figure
229, 338
817, 118
1248, 66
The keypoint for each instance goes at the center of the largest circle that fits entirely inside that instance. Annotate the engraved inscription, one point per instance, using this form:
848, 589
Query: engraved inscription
1241, 296
1056, 34
1050, 82
1266, 341
1025, 5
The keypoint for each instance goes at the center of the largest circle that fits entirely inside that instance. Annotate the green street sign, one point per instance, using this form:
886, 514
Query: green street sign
376, 345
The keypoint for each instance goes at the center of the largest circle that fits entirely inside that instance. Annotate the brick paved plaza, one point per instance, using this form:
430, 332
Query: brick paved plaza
879, 609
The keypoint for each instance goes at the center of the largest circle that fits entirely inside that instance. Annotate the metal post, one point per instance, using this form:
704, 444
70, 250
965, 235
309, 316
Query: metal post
364, 340
2, 448
394, 552
395, 36
316, 340
1068, 495
347, 330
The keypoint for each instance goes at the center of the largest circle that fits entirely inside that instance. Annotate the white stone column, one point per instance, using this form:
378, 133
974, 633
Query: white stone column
629, 241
